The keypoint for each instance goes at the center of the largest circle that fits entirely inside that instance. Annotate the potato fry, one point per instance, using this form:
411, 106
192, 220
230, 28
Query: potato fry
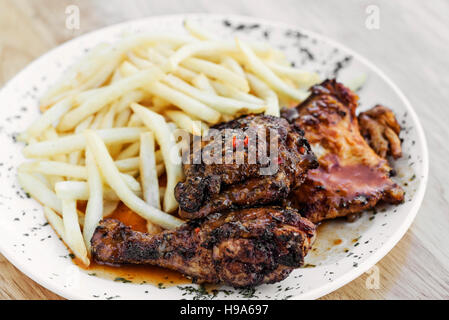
304, 79
196, 31
181, 100
39, 191
131, 151
77, 74
77, 142
183, 121
56, 168
108, 119
128, 98
109, 207
134, 121
221, 104
146, 39
94, 209
139, 62
184, 102
263, 91
262, 71
56, 222
156, 123
72, 231
233, 93
149, 176
51, 134
202, 82
122, 118
148, 171
114, 179
114, 91
161, 60
47, 119
75, 156
128, 164
217, 72
212, 48
233, 65
79, 190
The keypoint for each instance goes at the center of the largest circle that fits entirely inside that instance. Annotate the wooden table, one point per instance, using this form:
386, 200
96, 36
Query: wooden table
411, 46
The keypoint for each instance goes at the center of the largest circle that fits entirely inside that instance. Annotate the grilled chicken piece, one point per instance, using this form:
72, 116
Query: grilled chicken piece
243, 248
351, 176
381, 130
213, 186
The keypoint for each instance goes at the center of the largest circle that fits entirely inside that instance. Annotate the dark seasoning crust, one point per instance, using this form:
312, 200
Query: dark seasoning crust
210, 188
243, 248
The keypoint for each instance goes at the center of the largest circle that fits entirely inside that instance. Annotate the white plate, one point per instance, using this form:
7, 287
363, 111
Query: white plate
32, 246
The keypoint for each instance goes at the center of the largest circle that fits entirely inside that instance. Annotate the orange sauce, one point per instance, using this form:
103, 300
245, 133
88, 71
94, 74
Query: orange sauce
139, 274
129, 218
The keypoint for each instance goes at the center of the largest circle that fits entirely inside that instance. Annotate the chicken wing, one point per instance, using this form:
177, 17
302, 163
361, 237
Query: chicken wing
381, 130
351, 177
242, 248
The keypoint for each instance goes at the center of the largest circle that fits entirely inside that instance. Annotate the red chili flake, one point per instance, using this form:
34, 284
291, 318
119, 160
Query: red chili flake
234, 141
302, 150
246, 141
197, 230
280, 160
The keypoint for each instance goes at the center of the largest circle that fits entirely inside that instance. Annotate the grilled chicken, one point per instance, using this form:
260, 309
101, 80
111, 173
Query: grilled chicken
381, 130
243, 248
239, 177
351, 177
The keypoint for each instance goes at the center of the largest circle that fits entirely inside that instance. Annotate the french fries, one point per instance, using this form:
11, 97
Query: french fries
72, 230
48, 118
113, 91
149, 176
115, 180
107, 132
77, 142
221, 104
183, 121
262, 90
261, 70
184, 102
39, 191
157, 124
94, 209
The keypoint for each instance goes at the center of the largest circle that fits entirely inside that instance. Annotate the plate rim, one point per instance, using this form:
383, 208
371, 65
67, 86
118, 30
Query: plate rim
345, 278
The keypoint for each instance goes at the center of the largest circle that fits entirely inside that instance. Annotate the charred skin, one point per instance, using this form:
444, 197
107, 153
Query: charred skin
381, 130
243, 248
351, 177
214, 187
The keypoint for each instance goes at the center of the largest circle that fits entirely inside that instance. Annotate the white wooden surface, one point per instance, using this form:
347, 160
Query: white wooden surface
411, 46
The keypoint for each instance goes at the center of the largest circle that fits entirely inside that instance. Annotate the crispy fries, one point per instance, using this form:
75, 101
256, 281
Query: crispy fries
113, 91
262, 90
115, 180
77, 142
157, 124
265, 73
72, 231
94, 209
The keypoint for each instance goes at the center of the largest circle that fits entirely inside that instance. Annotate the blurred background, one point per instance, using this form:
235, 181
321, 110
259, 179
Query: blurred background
409, 40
